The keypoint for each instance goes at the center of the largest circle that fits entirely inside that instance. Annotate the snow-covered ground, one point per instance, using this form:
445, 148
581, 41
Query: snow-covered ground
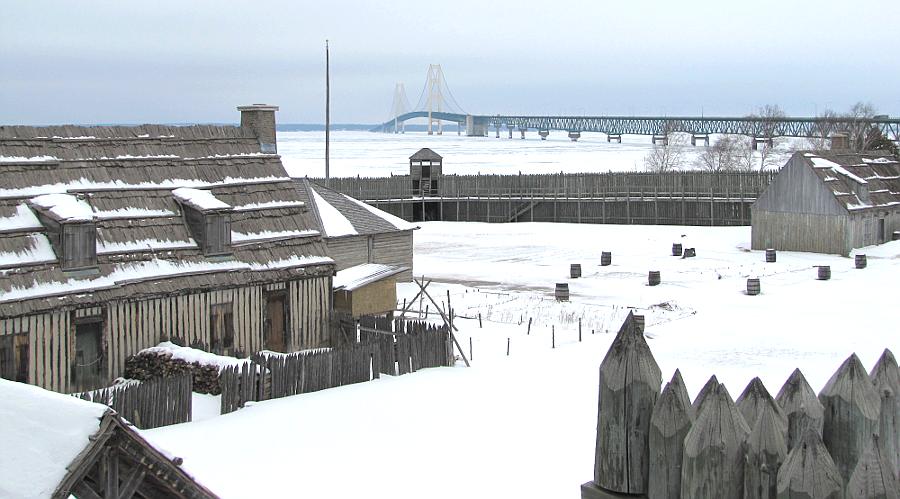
524, 425
371, 154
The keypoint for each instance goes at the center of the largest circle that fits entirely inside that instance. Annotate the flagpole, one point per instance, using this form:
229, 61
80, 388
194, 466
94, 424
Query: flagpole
327, 115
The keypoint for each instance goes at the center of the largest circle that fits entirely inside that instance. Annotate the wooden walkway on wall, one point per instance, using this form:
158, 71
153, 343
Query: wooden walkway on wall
685, 198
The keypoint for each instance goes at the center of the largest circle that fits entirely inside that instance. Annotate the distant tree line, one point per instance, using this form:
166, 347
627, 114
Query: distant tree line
735, 152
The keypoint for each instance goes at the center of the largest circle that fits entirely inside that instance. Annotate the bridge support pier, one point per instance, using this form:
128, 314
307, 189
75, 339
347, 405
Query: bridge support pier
660, 139
543, 134
522, 131
756, 141
574, 135
703, 137
475, 128
498, 131
510, 131
614, 136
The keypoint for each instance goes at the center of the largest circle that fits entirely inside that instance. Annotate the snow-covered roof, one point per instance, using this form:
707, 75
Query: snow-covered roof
42, 433
199, 199
64, 207
356, 277
858, 181
425, 154
333, 221
349, 216
135, 184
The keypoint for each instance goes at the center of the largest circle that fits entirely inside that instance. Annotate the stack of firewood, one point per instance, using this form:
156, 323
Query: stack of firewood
147, 365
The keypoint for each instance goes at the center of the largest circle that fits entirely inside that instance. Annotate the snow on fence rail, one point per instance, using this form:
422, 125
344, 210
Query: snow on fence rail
404, 348
843, 443
148, 404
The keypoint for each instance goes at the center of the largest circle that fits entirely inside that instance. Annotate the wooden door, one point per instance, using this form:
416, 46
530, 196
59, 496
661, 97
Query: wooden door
88, 362
275, 323
881, 234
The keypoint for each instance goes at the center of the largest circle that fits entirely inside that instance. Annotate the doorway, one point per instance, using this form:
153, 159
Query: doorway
87, 369
275, 324
881, 234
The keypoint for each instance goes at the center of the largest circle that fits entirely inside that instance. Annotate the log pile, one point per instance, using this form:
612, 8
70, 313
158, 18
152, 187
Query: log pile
149, 365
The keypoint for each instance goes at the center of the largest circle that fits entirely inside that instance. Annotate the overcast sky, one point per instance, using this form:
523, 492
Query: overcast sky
194, 61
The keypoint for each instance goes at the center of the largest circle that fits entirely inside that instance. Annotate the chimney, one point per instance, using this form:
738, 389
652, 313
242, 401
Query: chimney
260, 119
840, 141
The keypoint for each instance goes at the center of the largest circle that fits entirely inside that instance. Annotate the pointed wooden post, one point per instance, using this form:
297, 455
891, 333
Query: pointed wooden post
873, 477
809, 472
886, 378
766, 450
670, 423
851, 414
713, 459
711, 383
799, 403
630, 383
754, 400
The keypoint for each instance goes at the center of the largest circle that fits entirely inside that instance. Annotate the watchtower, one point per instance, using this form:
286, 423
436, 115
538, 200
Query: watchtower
425, 170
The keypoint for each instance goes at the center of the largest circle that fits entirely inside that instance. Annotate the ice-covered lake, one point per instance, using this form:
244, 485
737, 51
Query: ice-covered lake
371, 154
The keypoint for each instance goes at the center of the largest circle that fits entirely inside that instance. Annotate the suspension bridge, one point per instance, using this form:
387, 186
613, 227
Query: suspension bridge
437, 104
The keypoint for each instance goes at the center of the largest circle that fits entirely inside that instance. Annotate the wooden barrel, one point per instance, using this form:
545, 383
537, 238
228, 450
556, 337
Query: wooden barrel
575, 270
770, 256
895, 236
753, 287
653, 278
676, 249
860, 261
689, 252
824, 272
562, 291
605, 258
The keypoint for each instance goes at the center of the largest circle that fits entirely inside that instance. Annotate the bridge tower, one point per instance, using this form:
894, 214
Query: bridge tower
399, 106
435, 100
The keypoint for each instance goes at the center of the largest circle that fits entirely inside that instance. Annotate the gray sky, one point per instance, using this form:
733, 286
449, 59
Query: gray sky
181, 60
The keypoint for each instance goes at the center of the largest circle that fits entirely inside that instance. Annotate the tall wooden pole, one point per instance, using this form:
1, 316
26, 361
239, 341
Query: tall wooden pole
327, 115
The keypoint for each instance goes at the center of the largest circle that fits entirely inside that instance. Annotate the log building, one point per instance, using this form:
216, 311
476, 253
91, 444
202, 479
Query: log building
115, 238
829, 202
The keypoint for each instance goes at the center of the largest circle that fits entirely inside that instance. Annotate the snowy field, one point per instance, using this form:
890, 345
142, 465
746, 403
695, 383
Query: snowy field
371, 154
524, 425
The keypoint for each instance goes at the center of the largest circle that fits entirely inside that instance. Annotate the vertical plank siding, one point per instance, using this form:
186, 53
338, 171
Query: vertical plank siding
130, 326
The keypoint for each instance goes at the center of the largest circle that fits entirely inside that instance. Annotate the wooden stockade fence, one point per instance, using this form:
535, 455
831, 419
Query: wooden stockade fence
687, 198
148, 404
845, 443
378, 347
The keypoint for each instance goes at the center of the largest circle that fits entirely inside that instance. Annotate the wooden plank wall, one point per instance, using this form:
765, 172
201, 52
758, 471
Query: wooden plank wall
130, 326
49, 342
395, 248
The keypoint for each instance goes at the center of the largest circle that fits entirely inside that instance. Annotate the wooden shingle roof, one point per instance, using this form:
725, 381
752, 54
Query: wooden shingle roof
425, 154
859, 181
126, 176
365, 219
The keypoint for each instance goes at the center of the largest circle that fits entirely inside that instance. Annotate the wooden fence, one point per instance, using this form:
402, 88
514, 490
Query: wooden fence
378, 347
843, 443
686, 198
148, 404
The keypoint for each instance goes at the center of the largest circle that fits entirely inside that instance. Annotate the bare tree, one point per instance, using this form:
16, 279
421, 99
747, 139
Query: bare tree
862, 135
824, 130
667, 156
769, 116
728, 153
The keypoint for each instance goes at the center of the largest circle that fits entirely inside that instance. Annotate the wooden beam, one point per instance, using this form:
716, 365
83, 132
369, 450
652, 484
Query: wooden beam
83, 491
132, 483
111, 464
450, 326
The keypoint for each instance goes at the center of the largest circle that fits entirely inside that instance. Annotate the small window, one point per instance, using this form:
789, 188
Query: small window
221, 328
14, 357
426, 171
79, 246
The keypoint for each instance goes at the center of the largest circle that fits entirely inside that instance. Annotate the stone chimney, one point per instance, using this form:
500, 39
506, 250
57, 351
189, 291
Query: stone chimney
840, 141
260, 119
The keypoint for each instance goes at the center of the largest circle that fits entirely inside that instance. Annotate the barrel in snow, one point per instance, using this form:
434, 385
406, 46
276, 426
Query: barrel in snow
676, 249
653, 278
860, 261
605, 258
752, 287
689, 252
770, 256
562, 291
575, 270
824, 273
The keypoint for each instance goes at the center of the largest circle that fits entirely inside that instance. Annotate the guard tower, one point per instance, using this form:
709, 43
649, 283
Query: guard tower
425, 170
